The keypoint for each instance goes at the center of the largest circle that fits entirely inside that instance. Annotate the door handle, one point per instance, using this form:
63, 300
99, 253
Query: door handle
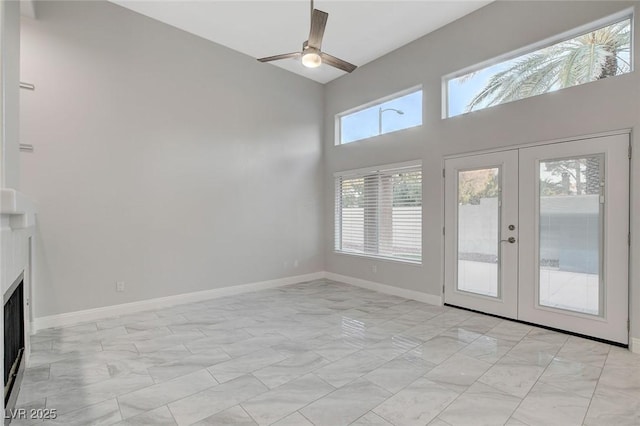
509, 240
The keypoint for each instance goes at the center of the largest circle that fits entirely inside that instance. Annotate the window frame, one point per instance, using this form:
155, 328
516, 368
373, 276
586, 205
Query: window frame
361, 173
627, 13
338, 117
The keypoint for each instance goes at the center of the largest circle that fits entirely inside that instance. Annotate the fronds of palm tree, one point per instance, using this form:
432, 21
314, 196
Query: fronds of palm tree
586, 58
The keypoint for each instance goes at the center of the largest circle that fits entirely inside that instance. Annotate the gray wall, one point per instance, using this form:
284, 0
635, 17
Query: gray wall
173, 179
10, 51
9, 128
162, 160
491, 31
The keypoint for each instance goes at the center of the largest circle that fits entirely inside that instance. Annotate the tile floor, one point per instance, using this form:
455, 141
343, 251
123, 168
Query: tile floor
324, 353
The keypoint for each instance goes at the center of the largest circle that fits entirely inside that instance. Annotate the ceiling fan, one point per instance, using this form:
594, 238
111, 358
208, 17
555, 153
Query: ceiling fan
312, 56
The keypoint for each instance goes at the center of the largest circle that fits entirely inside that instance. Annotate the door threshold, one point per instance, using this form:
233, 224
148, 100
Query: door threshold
570, 333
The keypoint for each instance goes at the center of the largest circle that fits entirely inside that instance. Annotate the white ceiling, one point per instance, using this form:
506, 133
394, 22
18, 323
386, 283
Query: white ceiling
358, 31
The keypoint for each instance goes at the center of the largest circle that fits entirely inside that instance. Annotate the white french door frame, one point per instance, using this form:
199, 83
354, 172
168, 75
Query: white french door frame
561, 321
614, 303
505, 303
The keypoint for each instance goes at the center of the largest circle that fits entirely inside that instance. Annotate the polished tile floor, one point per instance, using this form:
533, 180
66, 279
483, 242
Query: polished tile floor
324, 353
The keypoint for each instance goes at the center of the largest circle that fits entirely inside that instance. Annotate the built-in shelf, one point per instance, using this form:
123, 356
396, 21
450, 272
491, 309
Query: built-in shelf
18, 207
13, 202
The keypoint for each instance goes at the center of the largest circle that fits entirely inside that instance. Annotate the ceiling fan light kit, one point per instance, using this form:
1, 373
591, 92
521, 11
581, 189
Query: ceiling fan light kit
311, 60
312, 55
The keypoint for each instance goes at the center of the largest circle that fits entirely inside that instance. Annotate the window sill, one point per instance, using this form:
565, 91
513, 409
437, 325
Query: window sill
380, 258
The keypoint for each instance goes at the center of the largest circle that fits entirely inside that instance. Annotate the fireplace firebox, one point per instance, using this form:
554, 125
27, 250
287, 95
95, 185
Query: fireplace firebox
14, 344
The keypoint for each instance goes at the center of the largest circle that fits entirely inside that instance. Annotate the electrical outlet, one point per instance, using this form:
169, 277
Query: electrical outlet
120, 286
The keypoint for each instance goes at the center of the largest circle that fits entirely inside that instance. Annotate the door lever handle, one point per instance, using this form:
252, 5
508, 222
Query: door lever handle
509, 240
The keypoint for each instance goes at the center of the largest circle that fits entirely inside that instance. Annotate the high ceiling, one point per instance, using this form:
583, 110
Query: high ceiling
357, 31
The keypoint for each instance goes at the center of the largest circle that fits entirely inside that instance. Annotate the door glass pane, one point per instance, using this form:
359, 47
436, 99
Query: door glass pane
570, 234
478, 231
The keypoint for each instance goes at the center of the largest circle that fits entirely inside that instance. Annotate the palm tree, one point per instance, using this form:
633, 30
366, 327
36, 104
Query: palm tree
582, 59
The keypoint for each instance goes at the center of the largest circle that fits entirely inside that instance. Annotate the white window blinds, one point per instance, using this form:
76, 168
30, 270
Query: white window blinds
379, 213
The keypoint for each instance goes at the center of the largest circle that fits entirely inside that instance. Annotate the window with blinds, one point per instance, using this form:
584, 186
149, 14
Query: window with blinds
379, 213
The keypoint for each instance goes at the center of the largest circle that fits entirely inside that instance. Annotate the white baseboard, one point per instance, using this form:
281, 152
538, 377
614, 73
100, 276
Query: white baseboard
634, 345
387, 289
77, 317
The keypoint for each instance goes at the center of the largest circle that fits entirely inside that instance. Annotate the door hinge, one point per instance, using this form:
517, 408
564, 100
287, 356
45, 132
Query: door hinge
630, 150
442, 288
629, 239
628, 325
443, 230
443, 172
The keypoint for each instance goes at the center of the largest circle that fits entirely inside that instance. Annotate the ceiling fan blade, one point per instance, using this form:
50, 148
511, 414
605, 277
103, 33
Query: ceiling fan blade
318, 23
278, 57
337, 63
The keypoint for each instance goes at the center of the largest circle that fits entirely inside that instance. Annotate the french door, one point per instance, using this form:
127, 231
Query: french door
540, 234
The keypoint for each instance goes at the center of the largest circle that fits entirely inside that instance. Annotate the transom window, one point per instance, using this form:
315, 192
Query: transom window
379, 212
397, 112
590, 53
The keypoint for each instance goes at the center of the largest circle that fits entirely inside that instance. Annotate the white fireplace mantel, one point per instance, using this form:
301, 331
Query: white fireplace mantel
17, 231
17, 226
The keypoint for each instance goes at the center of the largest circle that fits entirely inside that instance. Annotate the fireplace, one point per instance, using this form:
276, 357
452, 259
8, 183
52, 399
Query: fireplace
17, 227
14, 344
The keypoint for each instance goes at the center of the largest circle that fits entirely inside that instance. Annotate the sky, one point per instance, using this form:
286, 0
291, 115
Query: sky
460, 91
364, 124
